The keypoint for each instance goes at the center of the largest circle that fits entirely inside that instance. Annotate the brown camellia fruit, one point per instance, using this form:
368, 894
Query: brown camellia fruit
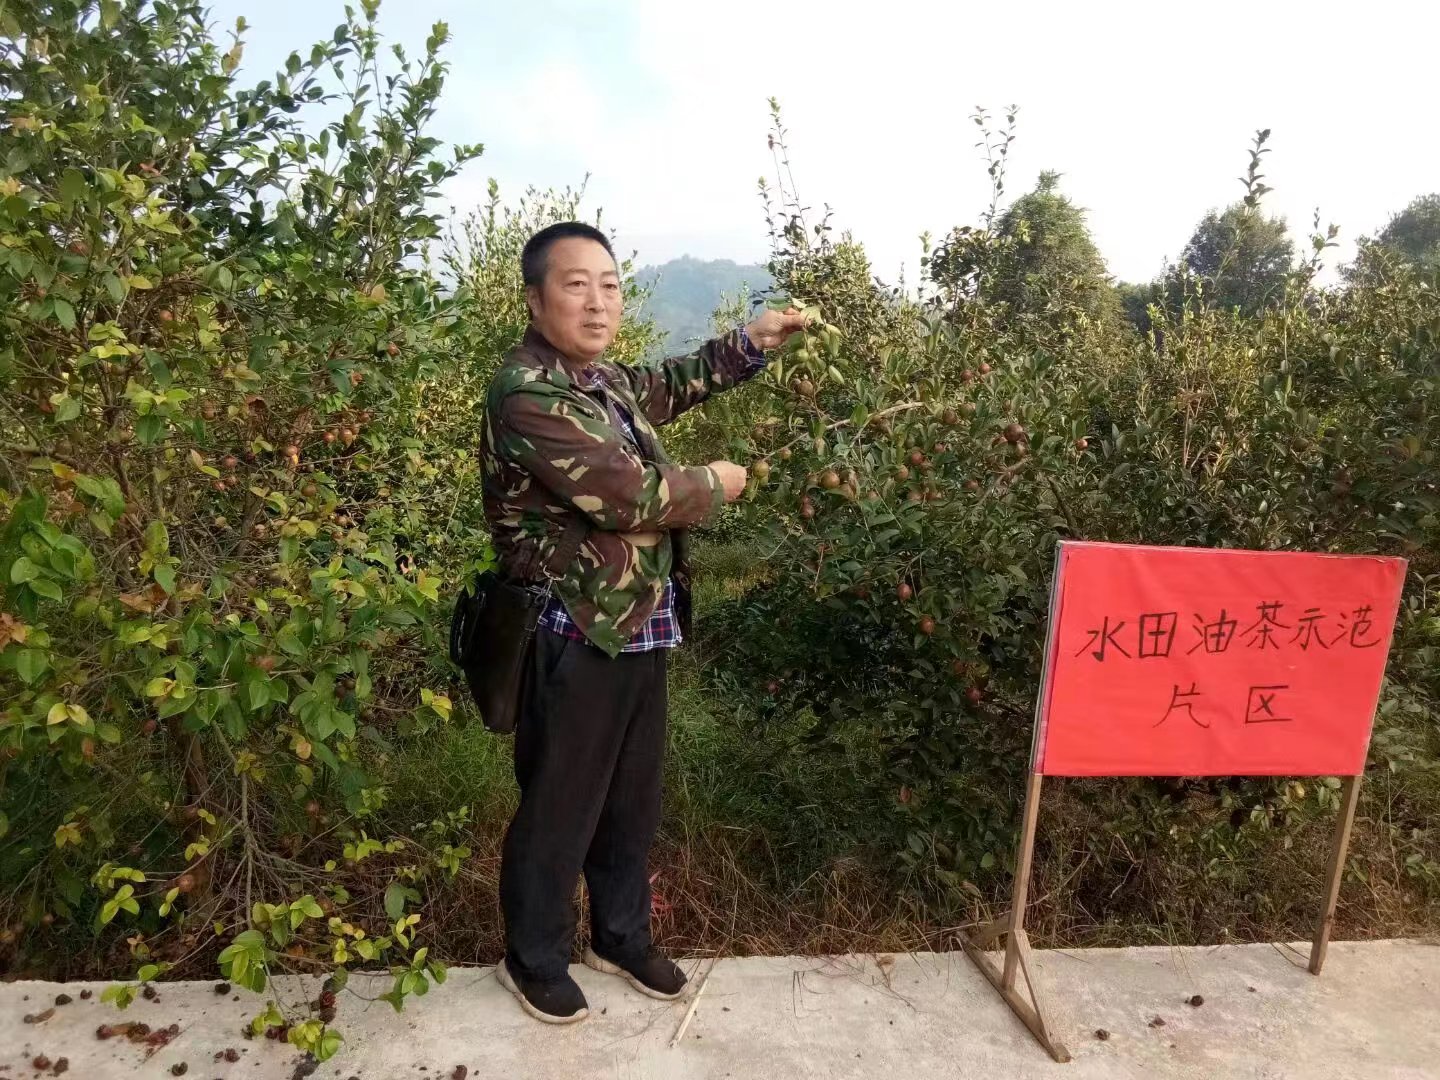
807, 509
148, 728
165, 315
1014, 433
914, 495
902, 474
786, 453
312, 808
904, 794
830, 480
968, 408
972, 485
958, 666
329, 436
772, 687
347, 435
208, 410
309, 491
392, 349
265, 663
950, 416
185, 883
356, 378
974, 695
985, 369
917, 457
927, 626
967, 376
292, 451
1081, 445
761, 469
904, 591
230, 461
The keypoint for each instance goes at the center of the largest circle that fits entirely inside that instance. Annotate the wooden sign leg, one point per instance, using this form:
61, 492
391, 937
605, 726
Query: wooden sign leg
1349, 797
1011, 927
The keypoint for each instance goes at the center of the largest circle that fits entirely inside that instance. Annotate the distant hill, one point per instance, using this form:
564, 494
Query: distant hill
686, 292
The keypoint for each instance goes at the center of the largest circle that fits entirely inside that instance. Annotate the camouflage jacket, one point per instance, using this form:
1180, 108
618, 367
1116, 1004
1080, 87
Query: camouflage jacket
552, 449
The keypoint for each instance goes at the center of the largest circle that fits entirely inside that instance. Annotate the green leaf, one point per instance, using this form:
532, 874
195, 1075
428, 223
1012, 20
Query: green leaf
46, 588
66, 408
329, 1045
64, 313
73, 186
121, 995
165, 575
289, 641
149, 429
23, 570
360, 665
395, 900
159, 686
257, 691
30, 664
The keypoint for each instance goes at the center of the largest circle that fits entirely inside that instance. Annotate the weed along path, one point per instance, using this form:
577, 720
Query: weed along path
1232, 1011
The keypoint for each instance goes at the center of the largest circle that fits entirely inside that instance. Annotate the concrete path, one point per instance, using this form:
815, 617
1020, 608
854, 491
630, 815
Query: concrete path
1375, 1013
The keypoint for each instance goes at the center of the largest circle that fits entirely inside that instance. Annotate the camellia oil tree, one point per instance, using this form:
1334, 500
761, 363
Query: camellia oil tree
910, 486
206, 301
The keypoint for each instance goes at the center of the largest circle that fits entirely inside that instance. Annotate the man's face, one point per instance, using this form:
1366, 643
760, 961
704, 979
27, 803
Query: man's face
578, 307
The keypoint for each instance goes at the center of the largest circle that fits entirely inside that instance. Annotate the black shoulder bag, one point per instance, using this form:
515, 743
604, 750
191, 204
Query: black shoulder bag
492, 632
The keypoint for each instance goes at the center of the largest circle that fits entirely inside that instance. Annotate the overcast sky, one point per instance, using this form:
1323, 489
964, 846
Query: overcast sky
1145, 108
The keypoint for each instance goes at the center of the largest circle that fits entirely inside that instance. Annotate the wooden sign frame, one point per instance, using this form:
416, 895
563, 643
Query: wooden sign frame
1009, 928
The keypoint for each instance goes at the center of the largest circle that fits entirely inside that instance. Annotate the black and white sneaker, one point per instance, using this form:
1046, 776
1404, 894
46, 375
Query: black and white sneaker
653, 975
554, 1001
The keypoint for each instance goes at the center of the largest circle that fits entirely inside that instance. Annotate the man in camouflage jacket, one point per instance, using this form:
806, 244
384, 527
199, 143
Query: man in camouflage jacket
570, 444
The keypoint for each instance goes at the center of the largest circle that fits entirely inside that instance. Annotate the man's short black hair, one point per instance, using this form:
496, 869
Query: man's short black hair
537, 248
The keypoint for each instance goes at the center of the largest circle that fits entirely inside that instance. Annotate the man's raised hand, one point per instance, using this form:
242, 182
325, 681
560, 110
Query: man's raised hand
770, 328
731, 477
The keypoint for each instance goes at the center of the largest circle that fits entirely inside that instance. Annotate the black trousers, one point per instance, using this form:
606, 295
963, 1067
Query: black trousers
589, 753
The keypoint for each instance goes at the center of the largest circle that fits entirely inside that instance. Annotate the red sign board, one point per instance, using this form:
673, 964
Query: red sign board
1203, 662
